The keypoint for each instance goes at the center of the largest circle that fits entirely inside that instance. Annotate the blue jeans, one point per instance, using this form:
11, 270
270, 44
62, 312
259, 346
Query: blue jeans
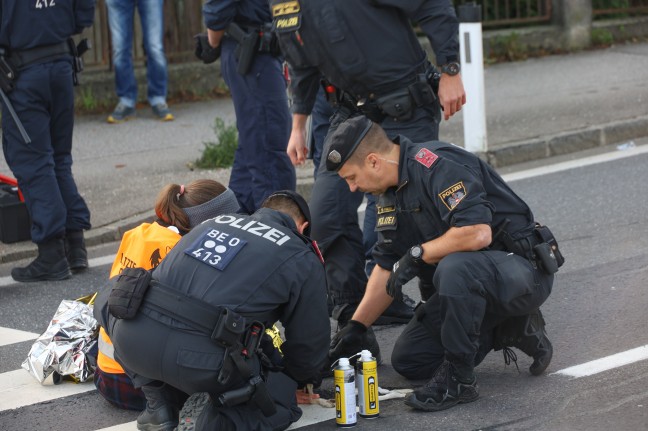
121, 14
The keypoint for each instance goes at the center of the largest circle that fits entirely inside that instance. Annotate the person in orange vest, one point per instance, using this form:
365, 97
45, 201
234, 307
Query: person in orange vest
178, 209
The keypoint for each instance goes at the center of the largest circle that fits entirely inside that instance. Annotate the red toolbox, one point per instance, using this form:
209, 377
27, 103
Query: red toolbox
15, 223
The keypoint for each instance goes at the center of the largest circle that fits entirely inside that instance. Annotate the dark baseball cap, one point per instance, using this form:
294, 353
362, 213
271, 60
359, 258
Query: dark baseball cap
344, 141
301, 203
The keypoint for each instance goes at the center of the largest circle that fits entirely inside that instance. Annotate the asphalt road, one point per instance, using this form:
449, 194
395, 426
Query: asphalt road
599, 213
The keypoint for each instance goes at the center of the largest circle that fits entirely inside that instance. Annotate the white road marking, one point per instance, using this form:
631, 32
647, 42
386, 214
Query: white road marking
11, 336
607, 363
128, 426
579, 163
18, 388
312, 414
563, 166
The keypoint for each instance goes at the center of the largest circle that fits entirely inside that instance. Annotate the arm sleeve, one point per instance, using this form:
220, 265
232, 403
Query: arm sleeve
438, 21
84, 11
306, 321
304, 84
383, 254
218, 13
458, 194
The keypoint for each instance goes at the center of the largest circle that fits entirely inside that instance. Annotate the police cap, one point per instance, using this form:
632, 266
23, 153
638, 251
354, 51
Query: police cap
300, 202
344, 141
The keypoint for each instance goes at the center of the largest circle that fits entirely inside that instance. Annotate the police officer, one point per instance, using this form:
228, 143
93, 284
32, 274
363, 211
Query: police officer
37, 78
447, 217
374, 65
239, 31
197, 328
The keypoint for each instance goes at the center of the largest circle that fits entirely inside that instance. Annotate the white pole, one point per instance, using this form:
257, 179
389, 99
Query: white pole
472, 74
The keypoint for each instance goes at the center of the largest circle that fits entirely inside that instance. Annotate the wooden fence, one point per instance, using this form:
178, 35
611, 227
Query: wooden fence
183, 19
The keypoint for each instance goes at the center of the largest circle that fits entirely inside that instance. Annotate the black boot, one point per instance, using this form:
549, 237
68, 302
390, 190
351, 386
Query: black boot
446, 389
75, 250
50, 264
528, 334
162, 406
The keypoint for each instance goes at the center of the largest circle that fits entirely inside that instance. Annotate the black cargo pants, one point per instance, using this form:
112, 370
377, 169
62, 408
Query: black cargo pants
476, 291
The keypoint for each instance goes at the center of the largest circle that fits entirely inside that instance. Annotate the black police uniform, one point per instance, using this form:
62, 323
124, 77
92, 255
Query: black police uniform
34, 34
369, 52
443, 186
261, 165
255, 266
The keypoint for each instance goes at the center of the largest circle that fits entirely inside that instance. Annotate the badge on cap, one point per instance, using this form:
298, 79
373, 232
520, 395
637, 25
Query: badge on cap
334, 157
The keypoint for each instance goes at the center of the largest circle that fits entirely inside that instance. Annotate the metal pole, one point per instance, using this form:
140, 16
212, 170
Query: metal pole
472, 72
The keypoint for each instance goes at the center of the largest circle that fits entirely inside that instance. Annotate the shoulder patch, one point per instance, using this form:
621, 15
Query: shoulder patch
426, 157
453, 195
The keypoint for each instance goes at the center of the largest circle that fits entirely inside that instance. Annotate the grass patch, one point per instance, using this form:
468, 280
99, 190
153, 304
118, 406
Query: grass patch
219, 154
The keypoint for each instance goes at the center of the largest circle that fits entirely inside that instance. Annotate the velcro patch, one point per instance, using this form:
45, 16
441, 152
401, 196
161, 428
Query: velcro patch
286, 8
386, 219
216, 249
286, 24
453, 195
426, 157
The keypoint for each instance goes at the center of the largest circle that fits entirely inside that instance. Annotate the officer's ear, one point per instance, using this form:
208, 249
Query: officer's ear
371, 160
301, 227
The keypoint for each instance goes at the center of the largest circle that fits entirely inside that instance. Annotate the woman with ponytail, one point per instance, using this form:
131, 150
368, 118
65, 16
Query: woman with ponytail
178, 208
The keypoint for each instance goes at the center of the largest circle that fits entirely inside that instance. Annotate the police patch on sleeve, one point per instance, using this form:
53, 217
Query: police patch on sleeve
426, 157
453, 195
286, 16
215, 248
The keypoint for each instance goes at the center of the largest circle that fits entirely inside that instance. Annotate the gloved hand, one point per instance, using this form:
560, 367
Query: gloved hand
348, 341
403, 271
204, 50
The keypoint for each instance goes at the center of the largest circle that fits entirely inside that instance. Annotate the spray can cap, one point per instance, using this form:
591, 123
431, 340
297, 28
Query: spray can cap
365, 355
343, 362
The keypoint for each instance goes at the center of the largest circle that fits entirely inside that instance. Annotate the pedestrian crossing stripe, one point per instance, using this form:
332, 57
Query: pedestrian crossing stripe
12, 336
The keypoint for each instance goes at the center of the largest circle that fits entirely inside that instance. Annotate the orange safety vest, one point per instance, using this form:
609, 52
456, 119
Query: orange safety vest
143, 247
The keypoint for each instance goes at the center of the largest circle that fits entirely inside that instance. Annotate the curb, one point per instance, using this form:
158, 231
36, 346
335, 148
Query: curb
507, 154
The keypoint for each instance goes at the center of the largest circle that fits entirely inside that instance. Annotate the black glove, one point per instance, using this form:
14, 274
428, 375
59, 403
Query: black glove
348, 341
403, 271
204, 51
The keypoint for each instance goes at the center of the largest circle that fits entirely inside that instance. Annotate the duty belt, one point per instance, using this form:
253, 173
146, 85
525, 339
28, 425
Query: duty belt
397, 104
21, 59
241, 342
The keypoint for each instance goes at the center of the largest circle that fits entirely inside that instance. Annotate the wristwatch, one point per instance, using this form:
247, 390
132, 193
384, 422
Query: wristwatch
452, 68
416, 253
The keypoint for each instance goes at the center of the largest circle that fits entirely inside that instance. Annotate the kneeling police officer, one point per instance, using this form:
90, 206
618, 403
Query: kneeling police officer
447, 217
200, 326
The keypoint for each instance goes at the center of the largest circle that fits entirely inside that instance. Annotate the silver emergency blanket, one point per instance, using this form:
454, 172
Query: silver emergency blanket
64, 346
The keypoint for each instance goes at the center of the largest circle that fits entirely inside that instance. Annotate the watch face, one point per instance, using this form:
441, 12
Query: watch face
416, 252
451, 68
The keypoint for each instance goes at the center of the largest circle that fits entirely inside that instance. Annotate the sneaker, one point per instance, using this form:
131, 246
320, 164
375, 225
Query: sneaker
443, 391
528, 334
162, 112
121, 113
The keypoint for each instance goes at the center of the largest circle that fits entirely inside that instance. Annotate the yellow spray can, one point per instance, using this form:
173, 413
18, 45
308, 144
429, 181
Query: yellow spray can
345, 399
367, 381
